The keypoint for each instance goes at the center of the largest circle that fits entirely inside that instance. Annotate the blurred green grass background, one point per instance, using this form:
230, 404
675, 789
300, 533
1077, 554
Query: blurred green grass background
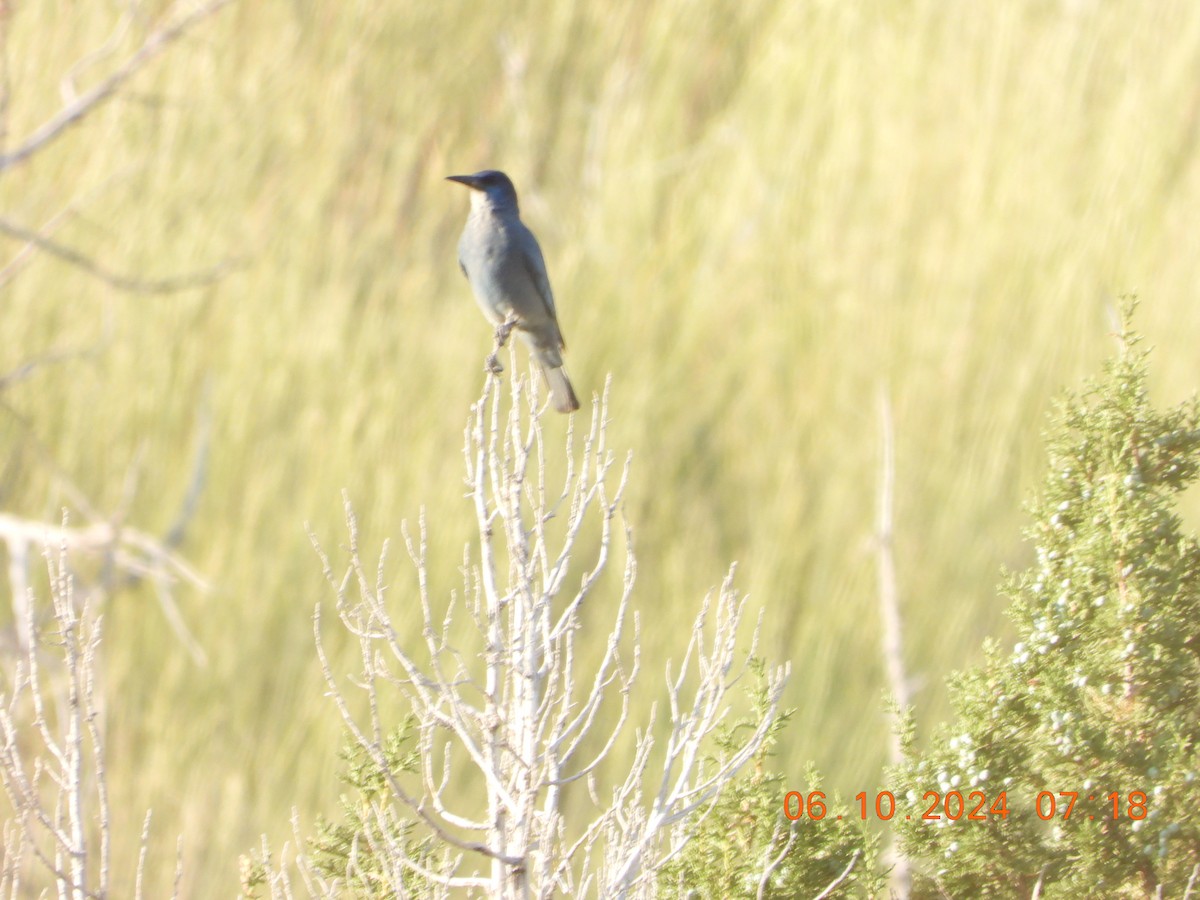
756, 216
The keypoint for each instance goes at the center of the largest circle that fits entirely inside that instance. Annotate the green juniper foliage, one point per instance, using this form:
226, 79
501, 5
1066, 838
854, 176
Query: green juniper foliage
746, 832
1099, 696
354, 850
731, 846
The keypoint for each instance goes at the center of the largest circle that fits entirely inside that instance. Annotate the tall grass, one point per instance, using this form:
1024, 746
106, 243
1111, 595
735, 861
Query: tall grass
757, 216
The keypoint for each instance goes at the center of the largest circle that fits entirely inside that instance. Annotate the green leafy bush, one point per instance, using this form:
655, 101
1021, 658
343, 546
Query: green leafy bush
1096, 709
746, 843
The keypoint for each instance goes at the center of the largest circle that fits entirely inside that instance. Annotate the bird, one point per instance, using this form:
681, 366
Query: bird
507, 273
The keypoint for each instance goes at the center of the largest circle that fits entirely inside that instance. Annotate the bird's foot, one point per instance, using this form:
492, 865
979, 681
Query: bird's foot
504, 330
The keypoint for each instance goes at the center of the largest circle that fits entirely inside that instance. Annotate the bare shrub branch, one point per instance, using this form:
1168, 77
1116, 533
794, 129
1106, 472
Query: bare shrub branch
52, 763
119, 547
36, 240
507, 714
179, 20
127, 553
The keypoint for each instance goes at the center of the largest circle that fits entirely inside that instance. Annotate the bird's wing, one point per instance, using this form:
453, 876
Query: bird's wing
535, 265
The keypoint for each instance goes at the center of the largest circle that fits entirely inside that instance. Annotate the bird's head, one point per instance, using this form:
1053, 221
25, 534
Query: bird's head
490, 188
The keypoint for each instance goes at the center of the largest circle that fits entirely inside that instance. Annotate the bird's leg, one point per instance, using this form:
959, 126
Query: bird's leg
505, 328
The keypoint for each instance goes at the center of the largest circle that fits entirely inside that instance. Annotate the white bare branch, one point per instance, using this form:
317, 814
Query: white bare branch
78, 107
504, 711
833, 885
121, 547
52, 762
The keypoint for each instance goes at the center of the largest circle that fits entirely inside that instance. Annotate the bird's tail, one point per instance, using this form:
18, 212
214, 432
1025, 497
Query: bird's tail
562, 395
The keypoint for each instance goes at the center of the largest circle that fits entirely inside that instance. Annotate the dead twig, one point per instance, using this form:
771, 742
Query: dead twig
82, 105
174, 284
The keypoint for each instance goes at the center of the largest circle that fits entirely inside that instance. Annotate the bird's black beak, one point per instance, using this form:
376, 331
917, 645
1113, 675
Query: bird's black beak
469, 180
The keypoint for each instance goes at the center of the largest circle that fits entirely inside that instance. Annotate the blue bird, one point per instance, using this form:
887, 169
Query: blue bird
504, 265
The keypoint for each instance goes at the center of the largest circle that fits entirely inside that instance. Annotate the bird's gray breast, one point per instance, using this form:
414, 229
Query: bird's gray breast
492, 254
